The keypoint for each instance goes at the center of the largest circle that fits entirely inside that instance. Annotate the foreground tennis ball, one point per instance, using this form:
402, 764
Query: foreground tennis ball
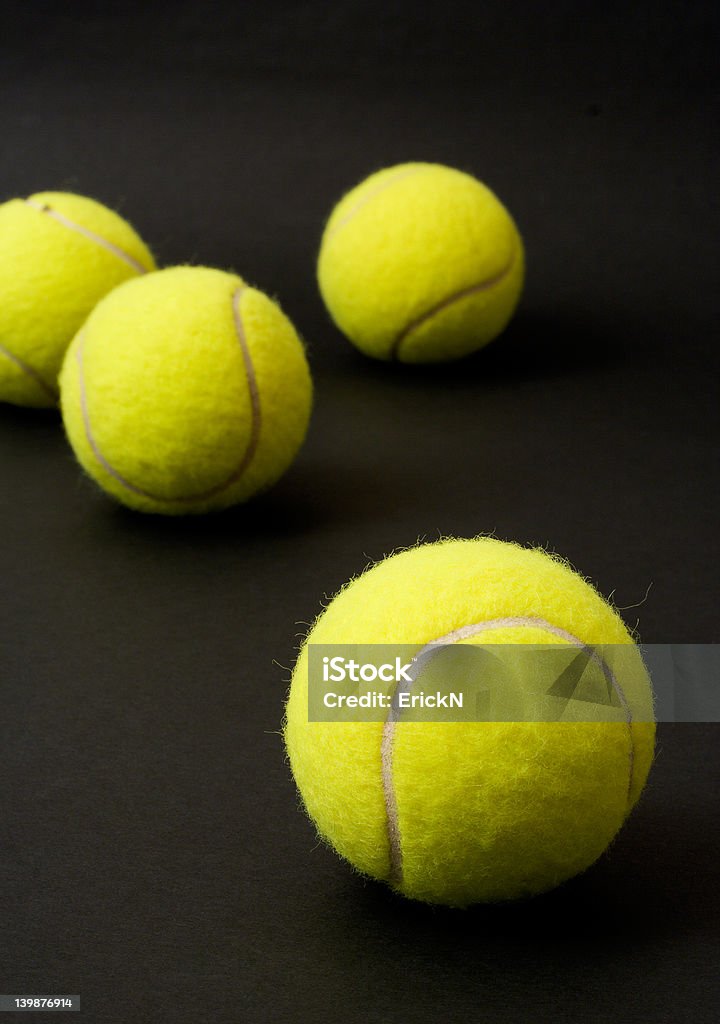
185, 391
420, 263
59, 255
464, 812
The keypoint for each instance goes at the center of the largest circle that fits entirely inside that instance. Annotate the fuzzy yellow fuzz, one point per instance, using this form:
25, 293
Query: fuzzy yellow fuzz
480, 811
185, 391
420, 263
59, 255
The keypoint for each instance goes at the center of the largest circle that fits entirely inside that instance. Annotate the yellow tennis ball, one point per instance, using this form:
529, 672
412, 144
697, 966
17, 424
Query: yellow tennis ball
420, 263
59, 255
464, 812
186, 390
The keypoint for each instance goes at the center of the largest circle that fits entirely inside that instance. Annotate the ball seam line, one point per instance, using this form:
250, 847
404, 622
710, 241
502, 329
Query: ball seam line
444, 304
387, 742
104, 243
379, 188
32, 373
255, 421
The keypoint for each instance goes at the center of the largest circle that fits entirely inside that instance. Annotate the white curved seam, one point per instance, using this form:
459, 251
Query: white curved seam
465, 633
90, 235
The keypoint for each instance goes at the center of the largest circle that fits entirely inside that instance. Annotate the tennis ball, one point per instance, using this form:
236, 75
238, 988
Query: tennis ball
59, 254
420, 263
186, 390
463, 812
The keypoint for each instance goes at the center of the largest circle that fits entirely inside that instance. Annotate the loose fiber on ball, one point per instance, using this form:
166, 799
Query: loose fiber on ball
60, 253
467, 812
420, 263
186, 391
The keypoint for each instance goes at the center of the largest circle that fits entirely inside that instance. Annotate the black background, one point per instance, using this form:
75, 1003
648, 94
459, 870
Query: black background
152, 856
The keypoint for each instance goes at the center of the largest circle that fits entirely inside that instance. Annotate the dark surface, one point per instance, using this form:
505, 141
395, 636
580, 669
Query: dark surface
152, 857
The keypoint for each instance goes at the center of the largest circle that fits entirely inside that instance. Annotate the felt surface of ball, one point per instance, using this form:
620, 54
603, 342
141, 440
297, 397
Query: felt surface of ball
185, 391
464, 812
59, 255
420, 263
